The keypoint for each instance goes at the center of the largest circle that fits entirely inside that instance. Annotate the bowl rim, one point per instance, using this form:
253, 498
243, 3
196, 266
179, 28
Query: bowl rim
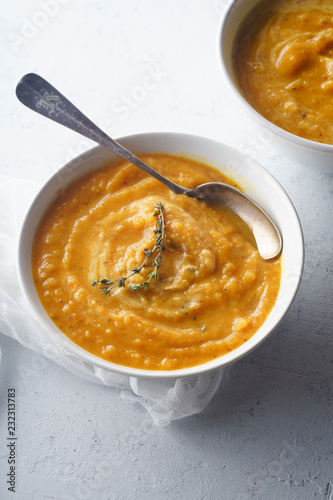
39, 314
275, 129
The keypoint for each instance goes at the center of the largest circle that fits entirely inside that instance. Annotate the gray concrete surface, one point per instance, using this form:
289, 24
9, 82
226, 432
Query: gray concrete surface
143, 66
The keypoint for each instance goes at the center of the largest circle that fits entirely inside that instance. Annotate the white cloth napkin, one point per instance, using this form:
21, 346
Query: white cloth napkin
165, 400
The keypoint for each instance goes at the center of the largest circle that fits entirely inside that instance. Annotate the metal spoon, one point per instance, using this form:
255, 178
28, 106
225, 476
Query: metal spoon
38, 95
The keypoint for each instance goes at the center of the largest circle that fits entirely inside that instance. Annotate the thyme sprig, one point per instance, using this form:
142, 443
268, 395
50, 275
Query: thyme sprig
158, 248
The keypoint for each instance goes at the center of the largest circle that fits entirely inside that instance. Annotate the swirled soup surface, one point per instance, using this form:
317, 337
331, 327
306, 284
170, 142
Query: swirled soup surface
213, 290
283, 60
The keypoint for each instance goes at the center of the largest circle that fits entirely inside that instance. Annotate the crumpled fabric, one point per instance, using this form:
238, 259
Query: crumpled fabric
165, 400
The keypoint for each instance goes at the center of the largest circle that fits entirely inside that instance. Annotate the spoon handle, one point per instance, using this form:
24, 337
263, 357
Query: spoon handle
40, 96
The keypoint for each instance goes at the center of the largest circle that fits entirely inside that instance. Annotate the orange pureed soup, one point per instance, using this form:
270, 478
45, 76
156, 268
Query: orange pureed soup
283, 62
212, 291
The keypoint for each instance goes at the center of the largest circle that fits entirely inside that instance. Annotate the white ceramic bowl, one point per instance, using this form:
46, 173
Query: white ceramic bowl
303, 150
256, 181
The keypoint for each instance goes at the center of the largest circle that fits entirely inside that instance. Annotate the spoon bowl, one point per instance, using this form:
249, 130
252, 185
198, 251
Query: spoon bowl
40, 96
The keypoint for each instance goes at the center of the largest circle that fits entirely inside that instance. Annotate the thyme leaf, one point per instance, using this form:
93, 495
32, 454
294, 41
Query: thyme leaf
158, 248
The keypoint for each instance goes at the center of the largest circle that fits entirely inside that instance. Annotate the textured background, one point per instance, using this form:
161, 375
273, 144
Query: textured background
145, 66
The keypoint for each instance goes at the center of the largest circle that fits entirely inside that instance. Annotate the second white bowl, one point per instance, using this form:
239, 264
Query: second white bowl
297, 148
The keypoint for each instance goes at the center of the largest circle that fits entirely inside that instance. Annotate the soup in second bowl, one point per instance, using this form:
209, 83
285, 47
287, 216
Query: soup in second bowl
283, 63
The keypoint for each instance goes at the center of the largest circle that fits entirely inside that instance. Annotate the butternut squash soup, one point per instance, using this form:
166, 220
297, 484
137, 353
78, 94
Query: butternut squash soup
145, 278
283, 62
